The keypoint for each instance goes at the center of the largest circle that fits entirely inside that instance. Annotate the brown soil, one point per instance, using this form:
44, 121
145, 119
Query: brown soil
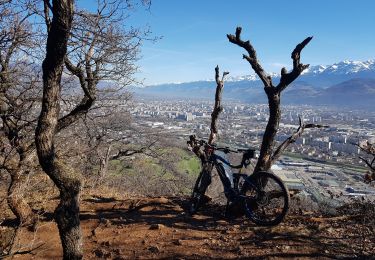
157, 228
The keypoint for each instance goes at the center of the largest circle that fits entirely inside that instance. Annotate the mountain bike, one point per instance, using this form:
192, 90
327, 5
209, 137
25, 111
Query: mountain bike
262, 195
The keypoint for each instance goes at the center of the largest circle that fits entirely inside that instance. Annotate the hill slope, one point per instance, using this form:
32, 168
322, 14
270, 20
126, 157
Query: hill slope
157, 228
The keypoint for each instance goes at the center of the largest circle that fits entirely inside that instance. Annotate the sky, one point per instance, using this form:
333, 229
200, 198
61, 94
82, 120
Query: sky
194, 35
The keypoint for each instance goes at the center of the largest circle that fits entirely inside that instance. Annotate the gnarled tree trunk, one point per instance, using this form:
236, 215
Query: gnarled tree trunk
67, 181
20, 208
15, 167
266, 151
267, 154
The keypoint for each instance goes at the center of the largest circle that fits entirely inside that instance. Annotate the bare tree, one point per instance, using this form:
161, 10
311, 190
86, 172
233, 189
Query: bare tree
19, 95
217, 107
94, 48
369, 149
267, 152
102, 50
66, 179
196, 148
107, 134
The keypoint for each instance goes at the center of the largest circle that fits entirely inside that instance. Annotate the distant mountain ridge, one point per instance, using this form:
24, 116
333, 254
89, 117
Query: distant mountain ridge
346, 67
346, 83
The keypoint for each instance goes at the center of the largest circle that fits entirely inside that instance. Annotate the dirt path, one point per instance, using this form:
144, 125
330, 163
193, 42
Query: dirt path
157, 228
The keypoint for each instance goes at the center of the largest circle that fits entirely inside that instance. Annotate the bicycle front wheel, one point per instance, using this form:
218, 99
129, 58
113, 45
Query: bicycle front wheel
266, 198
200, 187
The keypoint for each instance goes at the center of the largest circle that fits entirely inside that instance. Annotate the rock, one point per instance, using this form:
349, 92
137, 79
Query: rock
177, 242
330, 230
105, 221
107, 243
154, 249
156, 226
222, 222
224, 239
99, 253
117, 251
161, 200
213, 241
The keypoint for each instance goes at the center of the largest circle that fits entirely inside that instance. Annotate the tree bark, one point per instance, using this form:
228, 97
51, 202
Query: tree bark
264, 163
15, 196
20, 208
66, 179
193, 142
217, 107
273, 93
103, 167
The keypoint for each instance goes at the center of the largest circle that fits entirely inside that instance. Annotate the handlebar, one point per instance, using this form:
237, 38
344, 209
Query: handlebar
193, 142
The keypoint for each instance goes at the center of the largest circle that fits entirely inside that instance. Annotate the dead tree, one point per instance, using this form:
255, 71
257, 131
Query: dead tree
196, 148
369, 149
217, 107
267, 152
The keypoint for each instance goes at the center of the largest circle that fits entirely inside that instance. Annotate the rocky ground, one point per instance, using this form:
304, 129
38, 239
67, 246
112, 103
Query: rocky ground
157, 228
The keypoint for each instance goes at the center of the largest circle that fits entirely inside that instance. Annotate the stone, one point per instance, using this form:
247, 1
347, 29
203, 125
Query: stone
156, 226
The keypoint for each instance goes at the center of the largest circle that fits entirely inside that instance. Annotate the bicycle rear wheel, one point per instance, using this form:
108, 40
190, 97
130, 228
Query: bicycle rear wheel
198, 198
266, 198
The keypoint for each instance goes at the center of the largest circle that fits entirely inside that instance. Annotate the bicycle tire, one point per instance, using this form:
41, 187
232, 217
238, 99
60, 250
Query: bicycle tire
266, 199
200, 187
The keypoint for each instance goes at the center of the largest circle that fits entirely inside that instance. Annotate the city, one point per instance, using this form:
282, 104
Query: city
323, 163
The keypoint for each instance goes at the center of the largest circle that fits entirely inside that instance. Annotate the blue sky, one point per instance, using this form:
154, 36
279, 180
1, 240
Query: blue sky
194, 35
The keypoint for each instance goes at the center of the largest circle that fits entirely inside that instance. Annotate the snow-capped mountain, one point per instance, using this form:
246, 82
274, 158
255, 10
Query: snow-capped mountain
251, 77
347, 67
354, 81
341, 68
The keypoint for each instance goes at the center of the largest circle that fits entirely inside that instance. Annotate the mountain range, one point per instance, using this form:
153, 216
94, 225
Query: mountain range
346, 83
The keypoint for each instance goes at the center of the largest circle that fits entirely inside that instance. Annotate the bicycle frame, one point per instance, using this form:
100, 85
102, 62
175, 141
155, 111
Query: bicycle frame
227, 177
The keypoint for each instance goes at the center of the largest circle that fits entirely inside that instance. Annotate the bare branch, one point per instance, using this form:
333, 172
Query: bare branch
130, 152
81, 109
47, 8
217, 108
369, 149
195, 146
251, 57
367, 162
281, 148
298, 67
